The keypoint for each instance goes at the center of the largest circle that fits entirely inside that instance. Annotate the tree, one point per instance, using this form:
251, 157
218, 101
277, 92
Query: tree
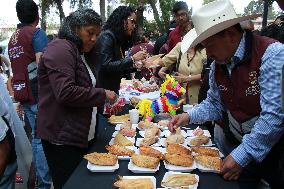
257, 7
150, 6
207, 1
3, 36
254, 7
151, 27
139, 19
110, 4
156, 14
58, 4
265, 13
103, 10
81, 3
45, 6
166, 9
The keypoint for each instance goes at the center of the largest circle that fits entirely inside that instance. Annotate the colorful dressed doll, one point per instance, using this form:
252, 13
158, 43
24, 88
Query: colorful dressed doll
171, 91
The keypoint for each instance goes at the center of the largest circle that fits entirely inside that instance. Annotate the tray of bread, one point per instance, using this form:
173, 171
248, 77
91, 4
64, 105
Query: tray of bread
151, 141
151, 137
167, 133
197, 132
122, 152
179, 158
127, 132
206, 150
118, 119
152, 131
180, 180
143, 164
174, 138
201, 140
137, 182
125, 125
143, 125
121, 140
208, 163
208, 159
157, 152
142, 134
102, 162
144, 86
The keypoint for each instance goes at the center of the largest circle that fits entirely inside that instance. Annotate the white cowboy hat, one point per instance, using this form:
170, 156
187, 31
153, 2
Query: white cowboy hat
211, 19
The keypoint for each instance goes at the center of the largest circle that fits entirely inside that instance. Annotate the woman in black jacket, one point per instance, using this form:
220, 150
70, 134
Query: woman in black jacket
109, 52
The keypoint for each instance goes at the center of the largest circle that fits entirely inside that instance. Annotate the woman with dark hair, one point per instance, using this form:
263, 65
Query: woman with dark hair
109, 52
67, 95
274, 31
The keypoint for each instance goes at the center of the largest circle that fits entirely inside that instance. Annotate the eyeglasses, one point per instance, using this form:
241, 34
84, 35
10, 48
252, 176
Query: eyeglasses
182, 14
132, 21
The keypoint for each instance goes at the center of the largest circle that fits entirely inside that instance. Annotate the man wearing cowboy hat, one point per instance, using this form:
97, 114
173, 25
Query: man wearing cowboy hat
244, 92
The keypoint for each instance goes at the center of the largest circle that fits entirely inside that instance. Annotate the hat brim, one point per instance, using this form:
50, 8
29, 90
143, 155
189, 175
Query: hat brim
191, 39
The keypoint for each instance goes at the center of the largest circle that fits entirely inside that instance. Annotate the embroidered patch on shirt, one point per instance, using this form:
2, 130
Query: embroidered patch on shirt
254, 89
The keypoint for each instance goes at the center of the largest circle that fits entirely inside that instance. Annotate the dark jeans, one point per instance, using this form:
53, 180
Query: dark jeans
62, 161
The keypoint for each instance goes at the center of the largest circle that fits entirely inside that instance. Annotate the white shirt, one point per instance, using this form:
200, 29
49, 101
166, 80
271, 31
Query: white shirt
94, 114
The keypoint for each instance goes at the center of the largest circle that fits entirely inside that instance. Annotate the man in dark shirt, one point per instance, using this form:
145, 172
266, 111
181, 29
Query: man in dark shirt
163, 38
181, 15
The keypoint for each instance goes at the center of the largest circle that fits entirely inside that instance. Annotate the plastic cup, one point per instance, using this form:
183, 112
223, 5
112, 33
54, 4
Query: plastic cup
134, 116
187, 107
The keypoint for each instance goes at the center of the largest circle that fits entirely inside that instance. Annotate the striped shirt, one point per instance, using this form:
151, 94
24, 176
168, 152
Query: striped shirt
269, 127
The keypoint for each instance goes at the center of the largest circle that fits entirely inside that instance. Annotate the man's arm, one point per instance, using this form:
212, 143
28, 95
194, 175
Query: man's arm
39, 43
211, 108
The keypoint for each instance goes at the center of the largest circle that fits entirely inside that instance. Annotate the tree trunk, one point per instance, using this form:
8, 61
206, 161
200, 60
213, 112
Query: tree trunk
139, 18
44, 9
60, 9
156, 14
166, 21
103, 9
265, 13
80, 4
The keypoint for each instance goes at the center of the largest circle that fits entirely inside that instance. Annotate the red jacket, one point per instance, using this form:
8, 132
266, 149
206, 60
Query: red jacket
174, 38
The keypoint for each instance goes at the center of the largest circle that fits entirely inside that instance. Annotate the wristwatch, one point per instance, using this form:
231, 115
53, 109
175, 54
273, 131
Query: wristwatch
189, 78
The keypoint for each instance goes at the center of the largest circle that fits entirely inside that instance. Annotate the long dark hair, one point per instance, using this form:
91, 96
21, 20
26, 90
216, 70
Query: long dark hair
115, 23
76, 20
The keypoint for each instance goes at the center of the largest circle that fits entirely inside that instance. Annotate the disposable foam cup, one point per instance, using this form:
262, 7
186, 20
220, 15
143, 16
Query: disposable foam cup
134, 116
187, 107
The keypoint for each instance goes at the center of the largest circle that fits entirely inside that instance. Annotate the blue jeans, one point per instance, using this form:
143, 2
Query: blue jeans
42, 170
7, 181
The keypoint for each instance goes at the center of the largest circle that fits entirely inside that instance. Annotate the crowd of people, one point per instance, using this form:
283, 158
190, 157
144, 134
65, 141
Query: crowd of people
231, 74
